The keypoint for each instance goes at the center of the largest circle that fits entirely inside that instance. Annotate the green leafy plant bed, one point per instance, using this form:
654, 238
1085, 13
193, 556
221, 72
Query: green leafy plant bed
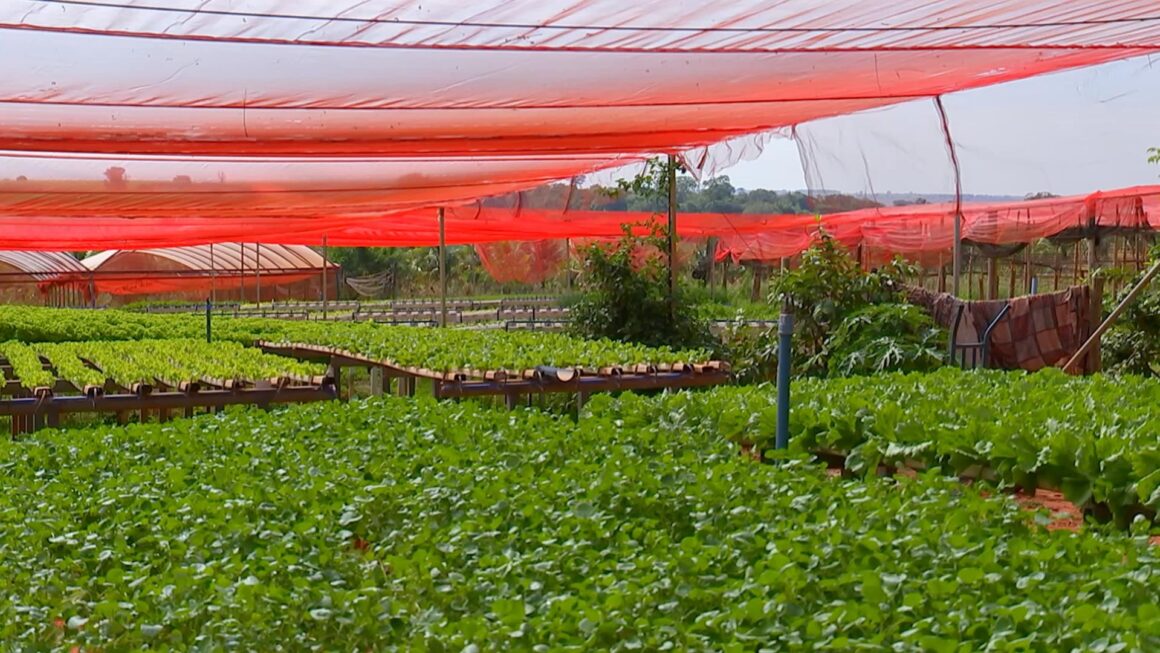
411, 525
127, 363
1095, 439
443, 350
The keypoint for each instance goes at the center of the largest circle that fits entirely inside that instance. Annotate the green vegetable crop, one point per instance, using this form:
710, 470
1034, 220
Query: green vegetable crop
406, 525
1097, 438
438, 349
26, 365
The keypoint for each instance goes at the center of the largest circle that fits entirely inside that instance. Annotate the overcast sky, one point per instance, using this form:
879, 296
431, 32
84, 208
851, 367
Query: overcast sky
1068, 133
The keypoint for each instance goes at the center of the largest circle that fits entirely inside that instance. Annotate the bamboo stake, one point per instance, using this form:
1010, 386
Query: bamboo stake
1115, 315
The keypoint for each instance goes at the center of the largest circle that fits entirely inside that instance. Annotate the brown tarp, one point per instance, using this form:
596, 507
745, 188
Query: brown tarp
1038, 331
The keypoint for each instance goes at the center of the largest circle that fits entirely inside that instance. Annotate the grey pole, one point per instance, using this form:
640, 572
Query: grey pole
672, 237
442, 269
784, 365
212, 276
325, 264
258, 271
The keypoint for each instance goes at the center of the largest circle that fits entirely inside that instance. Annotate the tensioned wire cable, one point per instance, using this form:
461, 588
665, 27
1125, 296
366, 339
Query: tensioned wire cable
610, 28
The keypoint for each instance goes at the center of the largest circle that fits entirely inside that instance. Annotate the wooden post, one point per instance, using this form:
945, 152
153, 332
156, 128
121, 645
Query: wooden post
1027, 269
1075, 269
992, 277
710, 252
970, 275
1058, 268
568, 263
1094, 359
1011, 284
1115, 315
442, 270
942, 273
755, 294
1093, 255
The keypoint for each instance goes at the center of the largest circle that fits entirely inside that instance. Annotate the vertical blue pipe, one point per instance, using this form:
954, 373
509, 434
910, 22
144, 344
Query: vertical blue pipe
784, 364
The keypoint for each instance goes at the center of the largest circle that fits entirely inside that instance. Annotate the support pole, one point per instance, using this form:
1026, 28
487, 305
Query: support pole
212, 276
325, 264
242, 273
208, 321
1093, 253
758, 273
672, 237
1114, 315
710, 255
568, 263
1028, 268
258, 272
992, 277
442, 269
956, 274
784, 365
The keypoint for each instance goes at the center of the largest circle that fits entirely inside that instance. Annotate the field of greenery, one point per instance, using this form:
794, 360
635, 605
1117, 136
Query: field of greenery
146, 361
396, 524
1097, 439
437, 349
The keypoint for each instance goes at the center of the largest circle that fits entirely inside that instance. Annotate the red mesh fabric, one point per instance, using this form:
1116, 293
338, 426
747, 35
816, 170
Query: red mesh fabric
686, 250
523, 262
472, 79
908, 229
494, 77
141, 123
917, 231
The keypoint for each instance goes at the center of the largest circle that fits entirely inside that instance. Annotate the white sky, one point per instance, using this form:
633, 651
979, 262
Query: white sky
1068, 133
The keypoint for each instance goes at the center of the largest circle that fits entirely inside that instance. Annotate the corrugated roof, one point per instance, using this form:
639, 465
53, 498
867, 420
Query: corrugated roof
42, 266
225, 256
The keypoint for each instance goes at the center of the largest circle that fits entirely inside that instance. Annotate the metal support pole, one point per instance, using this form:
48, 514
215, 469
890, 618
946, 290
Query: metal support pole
325, 264
258, 272
957, 255
442, 270
242, 273
212, 276
784, 365
956, 266
208, 321
672, 237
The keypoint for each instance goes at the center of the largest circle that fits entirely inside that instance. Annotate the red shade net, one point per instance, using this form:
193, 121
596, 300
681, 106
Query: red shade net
210, 107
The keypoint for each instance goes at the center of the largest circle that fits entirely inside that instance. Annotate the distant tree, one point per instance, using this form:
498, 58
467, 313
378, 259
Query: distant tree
1042, 195
915, 202
115, 176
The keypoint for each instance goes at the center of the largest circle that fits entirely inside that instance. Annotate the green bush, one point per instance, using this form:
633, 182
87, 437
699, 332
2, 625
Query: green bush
1132, 345
847, 321
625, 297
885, 337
